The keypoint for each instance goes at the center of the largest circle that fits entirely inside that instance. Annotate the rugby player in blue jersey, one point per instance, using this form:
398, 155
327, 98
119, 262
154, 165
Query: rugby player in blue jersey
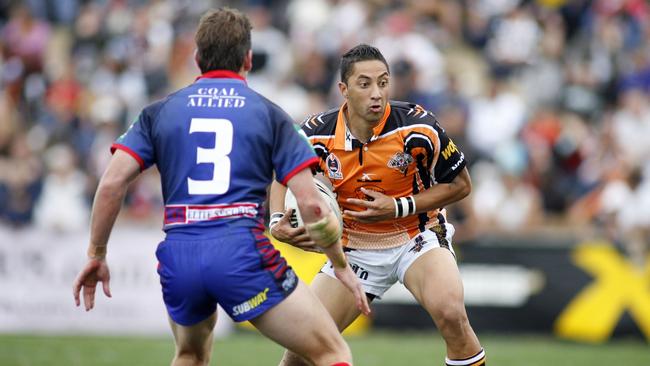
217, 145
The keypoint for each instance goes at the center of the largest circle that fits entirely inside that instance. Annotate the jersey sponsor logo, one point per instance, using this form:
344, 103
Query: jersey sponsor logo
184, 214
216, 98
203, 214
361, 272
455, 166
369, 177
450, 149
251, 303
333, 167
400, 161
619, 286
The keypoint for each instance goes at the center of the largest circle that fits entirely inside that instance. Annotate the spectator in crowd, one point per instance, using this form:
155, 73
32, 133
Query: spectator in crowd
62, 204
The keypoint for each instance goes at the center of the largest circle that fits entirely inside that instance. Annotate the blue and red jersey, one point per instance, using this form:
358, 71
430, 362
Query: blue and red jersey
216, 144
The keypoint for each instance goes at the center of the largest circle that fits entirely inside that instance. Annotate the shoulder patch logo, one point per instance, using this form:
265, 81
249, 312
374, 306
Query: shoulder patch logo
400, 161
333, 167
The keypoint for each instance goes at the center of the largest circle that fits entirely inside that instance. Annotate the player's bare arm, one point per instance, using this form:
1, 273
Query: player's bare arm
324, 229
382, 207
121, 170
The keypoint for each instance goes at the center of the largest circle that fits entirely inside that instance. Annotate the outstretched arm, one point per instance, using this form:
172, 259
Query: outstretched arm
121, 170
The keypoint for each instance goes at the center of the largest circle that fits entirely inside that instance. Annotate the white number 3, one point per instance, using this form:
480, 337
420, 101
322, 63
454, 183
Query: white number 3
218, 156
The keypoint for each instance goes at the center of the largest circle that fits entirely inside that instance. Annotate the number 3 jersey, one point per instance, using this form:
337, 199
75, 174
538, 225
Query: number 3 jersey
216, 144
408, 153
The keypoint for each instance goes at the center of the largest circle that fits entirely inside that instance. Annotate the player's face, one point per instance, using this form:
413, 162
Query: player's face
366, 90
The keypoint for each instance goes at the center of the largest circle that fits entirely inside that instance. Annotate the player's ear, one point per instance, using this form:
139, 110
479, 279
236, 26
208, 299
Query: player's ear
343, 88
196, 58
248, 61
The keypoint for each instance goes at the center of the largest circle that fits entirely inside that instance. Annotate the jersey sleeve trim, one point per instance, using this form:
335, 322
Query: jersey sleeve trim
311, 162
133, 154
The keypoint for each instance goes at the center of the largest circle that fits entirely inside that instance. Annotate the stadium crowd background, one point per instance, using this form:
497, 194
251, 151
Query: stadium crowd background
548, 99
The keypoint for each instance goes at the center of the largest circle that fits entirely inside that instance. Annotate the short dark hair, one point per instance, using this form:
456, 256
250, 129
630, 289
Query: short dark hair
222, 40
362, 52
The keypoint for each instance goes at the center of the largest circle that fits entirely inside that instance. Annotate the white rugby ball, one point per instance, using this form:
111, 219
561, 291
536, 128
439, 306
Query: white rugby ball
325, 192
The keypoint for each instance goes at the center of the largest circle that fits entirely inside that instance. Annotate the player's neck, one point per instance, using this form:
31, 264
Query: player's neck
358, 126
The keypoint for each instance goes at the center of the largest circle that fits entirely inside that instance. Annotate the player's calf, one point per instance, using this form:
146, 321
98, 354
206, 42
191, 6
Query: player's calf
462, 343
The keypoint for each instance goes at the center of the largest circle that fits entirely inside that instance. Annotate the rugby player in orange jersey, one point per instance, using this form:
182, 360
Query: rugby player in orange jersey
394, 169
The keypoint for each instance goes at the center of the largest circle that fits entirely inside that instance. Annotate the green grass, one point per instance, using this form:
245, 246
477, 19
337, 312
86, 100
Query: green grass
376, 349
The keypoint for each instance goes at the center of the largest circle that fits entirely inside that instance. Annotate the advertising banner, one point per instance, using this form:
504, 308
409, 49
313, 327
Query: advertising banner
37, 269
586, 291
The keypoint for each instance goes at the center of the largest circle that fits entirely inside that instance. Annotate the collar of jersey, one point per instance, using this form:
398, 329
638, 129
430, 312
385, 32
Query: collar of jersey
220, 74
343, 141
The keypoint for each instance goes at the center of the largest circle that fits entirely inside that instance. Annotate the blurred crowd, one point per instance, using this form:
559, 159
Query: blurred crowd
549, 99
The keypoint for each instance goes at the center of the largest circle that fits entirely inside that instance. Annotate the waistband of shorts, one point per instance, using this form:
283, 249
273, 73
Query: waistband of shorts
209, 234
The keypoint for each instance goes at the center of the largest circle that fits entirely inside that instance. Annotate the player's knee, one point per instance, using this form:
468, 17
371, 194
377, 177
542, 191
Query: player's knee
451, 318
331, 349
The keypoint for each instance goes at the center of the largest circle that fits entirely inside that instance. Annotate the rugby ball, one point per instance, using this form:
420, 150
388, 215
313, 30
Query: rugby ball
325, 192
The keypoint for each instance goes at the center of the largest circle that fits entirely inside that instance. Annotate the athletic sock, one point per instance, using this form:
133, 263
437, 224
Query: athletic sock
476, 360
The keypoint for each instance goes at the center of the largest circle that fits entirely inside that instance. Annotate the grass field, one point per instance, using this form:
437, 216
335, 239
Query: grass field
377, 349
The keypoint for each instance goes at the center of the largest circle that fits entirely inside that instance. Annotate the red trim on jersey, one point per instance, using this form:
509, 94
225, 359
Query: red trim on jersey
220, 74
307, 164
133, 154
341, 364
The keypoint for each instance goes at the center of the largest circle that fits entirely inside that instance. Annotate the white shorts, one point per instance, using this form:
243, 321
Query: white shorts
378, 270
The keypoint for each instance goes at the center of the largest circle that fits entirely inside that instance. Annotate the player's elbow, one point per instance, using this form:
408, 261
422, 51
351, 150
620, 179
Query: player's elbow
462, 185
464, 189
110, 186
311, 208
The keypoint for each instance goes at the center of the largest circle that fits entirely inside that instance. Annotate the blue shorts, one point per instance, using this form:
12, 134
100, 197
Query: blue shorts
239, 269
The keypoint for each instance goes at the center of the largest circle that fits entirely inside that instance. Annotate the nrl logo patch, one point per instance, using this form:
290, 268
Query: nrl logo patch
400, 161
333, 167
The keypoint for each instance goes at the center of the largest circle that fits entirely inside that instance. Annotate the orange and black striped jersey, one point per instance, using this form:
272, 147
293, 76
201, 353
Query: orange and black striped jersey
408, 153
